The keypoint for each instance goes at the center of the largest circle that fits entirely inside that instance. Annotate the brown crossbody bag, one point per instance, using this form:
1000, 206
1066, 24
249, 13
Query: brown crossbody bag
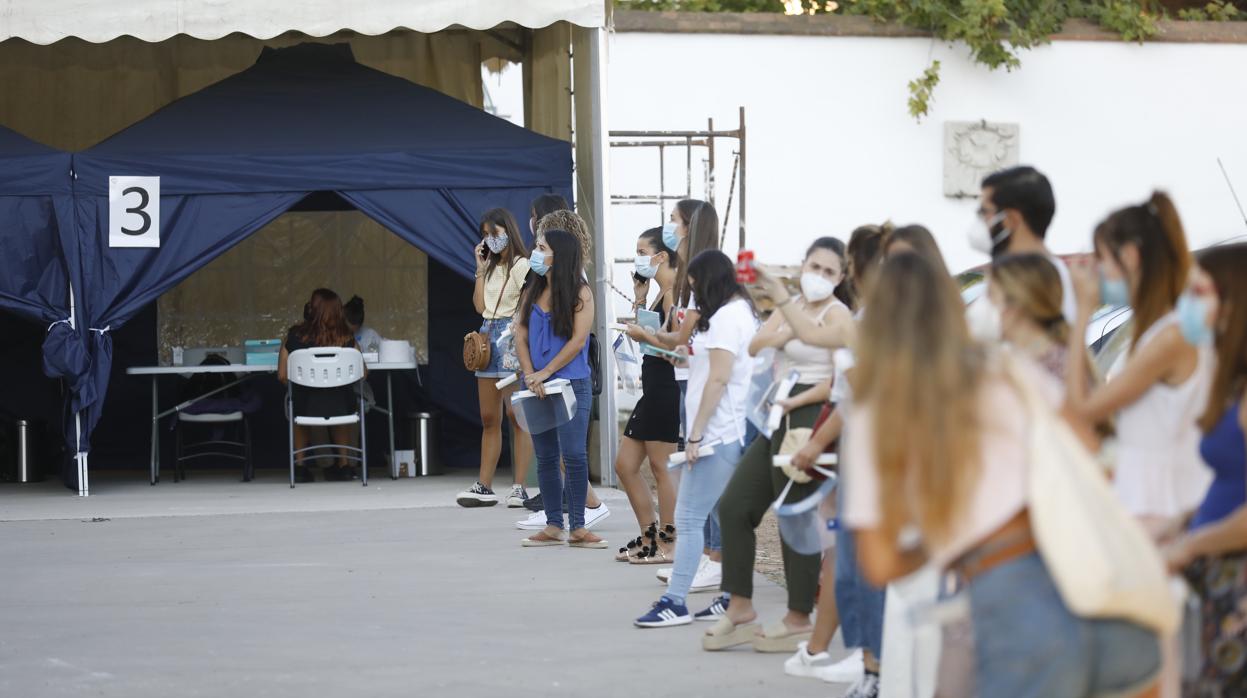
477, 347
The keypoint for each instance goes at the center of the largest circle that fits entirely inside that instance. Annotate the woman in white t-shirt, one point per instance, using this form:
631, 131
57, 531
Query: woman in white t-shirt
936, 460
719, 375
501, 269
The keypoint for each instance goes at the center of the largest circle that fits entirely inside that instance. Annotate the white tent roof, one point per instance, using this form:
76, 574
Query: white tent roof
46, 21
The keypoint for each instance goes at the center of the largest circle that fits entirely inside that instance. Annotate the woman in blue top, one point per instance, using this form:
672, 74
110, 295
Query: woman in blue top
552, 341
1213, 554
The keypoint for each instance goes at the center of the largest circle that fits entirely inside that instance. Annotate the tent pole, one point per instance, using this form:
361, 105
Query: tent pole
592, 148
79, 457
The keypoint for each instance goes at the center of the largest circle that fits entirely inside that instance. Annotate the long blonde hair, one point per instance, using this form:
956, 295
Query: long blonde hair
919, 373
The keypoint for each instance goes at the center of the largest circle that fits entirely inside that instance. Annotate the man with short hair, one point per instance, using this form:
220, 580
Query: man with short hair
1016, 206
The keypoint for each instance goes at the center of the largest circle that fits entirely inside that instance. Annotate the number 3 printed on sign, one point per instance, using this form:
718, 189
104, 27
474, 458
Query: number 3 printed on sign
144, 199
134, 212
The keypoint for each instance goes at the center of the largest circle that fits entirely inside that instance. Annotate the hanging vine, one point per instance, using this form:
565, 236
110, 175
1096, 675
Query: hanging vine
995, 31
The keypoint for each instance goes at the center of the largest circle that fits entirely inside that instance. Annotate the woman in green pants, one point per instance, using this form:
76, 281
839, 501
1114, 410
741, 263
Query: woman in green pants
756, 482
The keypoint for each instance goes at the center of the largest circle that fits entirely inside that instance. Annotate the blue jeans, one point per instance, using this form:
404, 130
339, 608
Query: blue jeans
1028, 645
568, 444
700, 488
860, 604
714, 537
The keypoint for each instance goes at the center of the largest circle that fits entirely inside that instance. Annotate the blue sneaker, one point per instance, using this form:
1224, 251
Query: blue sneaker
715, 611
664, 613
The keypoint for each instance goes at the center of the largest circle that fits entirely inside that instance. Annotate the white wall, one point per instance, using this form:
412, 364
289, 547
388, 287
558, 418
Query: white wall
831, 144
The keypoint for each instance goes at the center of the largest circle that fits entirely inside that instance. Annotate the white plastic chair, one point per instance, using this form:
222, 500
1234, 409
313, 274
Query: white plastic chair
239, 450
320, 368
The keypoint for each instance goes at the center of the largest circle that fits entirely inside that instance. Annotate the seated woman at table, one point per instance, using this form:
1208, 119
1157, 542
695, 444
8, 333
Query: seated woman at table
324, 325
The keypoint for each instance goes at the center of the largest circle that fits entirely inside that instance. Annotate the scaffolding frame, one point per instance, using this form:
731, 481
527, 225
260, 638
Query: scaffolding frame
688, 140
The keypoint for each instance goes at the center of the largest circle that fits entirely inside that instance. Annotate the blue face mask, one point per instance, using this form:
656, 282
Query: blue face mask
1114, 292
644, 267
537, 262
669, 237
1193, 320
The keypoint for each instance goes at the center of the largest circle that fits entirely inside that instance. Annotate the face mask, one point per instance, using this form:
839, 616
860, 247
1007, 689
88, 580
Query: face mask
816, 287
980, 235
496, 243
644, 268
983, 317
537, 262
1193, 320
669, 236
1115, 292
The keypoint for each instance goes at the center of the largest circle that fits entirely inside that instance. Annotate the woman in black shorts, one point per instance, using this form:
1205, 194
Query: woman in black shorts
324, 325
654, 427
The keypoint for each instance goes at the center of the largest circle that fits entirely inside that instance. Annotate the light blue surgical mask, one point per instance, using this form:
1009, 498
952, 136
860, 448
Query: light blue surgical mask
537, 262
1193, 320
1114, 292
644, 266
669, 237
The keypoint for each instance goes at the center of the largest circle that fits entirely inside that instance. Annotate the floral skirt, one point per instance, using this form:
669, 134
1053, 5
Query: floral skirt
1221, 583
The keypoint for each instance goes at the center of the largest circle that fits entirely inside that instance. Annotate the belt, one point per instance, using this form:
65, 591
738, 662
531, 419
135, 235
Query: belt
1002, 548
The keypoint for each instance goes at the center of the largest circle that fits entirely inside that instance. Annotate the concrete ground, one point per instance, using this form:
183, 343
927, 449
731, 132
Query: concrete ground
213, 587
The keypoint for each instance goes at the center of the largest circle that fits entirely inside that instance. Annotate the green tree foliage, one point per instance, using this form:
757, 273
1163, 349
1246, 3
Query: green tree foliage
995, 31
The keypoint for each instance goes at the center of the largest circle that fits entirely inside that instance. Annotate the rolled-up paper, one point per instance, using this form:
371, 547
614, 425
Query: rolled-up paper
507, 381
680, 458
823, 459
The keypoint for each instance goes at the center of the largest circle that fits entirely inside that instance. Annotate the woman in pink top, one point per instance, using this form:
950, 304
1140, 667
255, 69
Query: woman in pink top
939, 428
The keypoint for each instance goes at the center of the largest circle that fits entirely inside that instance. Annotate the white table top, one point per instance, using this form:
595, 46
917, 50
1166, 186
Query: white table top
244, 368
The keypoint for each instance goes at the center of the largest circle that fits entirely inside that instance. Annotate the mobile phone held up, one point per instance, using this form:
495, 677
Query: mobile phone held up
484, 253
745, 271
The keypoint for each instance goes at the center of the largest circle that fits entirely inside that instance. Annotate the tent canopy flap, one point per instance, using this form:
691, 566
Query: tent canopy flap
239, 153
47, 21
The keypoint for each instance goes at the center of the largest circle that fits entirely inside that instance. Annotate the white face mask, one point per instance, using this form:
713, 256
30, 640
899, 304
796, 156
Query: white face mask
497, 243
816, 287
980, 236
983, 317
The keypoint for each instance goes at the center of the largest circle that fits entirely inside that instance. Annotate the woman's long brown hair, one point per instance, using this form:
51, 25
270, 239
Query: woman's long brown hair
702, 223
325, 324
919, 374
1155, 229
1227, 265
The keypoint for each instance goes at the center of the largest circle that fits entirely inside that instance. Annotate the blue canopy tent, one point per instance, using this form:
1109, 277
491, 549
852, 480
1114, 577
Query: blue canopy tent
37, 230
237, 154
36, 217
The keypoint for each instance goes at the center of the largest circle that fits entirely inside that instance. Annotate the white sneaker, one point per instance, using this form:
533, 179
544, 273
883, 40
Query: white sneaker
537, 520
664, 573
843, 671
594, 517
515, 500
804, 665
709, 576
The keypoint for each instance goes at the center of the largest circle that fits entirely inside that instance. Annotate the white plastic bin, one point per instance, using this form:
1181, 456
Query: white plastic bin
537, 415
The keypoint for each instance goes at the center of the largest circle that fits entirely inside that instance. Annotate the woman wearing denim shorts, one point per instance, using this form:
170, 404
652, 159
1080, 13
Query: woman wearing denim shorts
937, 455
501, 270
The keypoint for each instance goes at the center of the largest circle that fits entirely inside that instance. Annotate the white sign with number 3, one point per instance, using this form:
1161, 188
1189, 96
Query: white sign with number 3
134, 212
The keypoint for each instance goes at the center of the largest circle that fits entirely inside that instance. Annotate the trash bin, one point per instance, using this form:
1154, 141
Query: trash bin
424, 443
27, 470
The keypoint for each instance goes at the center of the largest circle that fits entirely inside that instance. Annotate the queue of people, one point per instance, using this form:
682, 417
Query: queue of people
930, 408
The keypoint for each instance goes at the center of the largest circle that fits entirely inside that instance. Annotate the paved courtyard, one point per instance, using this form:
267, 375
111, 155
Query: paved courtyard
212, 587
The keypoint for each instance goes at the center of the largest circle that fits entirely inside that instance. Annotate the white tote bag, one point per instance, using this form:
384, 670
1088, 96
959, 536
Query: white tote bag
1100, 558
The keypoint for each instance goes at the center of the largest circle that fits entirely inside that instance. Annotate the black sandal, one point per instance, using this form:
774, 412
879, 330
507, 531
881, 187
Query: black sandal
653, 554
636, 545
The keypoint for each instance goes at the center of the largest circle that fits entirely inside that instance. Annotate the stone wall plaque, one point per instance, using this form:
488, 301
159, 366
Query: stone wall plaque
973, 150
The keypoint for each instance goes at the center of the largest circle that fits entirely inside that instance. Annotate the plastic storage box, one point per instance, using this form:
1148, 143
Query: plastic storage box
262, 352
537, 415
